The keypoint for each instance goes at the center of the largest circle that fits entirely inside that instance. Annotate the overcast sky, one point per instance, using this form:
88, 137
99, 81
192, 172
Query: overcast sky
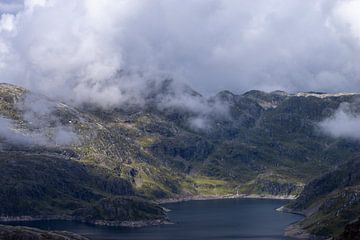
11, 6
75, 48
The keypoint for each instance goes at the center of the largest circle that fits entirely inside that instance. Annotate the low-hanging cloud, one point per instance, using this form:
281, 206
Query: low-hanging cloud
10, 134
40, 124
104, 52
344, 123
58, 135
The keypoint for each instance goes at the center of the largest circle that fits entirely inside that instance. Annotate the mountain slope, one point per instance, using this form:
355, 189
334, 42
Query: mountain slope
331, 202
260, 143
26, 233
53, 181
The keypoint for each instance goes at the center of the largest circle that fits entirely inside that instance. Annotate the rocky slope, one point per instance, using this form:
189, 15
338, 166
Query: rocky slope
26, 233
45, 185
76, 162
331, 203
55, 181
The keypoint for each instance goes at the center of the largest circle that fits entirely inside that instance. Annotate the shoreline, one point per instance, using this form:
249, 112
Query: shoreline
289, 210
219, 197
144, 223
24, 232
295, 230
131, 224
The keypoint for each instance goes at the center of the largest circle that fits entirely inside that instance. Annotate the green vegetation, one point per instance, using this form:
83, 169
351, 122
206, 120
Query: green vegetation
209, 186
332, 201
269, 144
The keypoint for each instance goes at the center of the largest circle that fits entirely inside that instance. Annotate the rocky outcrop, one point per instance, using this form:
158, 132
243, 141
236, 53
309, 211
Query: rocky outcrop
272, 186
26, 233
120, 211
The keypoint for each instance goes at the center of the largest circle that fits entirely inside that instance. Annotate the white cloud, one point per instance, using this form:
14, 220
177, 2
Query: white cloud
43, 126
7, 22
58, 135
348, 13
79, 50
344, 123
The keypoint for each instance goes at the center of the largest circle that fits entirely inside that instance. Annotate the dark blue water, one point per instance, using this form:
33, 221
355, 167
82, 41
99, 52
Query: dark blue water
197, 220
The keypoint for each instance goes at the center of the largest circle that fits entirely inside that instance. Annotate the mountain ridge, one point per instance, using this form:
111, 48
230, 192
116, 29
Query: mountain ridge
264, 143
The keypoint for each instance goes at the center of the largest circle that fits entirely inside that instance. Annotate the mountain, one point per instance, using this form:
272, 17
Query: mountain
48, 181
104, 165
331, 203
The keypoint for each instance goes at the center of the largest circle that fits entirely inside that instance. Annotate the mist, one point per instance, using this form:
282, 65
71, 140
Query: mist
111, 53
40, 125
57, 136
344, 123
78, 50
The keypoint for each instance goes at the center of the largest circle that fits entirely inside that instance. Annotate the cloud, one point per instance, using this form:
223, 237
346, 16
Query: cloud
348, 14
105, 52
58, 135
10, 134
10, 6
344, 123
41, 125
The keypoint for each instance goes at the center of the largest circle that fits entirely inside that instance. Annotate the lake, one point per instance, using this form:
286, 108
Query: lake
197, 220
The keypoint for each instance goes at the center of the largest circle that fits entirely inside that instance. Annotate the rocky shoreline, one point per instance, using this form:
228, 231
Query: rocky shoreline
289, 210
5, 219
27, 233
131, 224
295, 230
232, 196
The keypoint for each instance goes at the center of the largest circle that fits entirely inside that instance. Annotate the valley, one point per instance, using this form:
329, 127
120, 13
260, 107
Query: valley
119, 162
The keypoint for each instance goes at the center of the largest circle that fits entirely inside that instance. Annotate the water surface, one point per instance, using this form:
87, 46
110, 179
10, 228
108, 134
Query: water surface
225, 219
